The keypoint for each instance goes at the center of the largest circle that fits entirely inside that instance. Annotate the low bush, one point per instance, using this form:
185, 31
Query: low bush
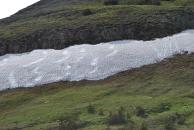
87, 12
144, 2
67, 123
91, 109
117, 118
129, 126
179, 118
111, 2
170, 123
143, 127
160, 108
101, 112
140, 111
169, 126
149, 2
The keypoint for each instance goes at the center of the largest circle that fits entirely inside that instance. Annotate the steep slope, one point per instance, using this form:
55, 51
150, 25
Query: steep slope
60, 23
154, 97
163, 91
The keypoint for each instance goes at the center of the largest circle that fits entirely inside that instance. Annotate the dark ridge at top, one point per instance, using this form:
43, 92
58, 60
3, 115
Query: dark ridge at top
58, 24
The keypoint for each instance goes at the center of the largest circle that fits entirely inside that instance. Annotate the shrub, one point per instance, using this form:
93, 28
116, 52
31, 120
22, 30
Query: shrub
128, 116
180, 119
111, 2
67, 123
148, 2
101, 112
170, 123
143, 127
174, 119
169, 126
91, 109
155, 2
130, 126
140, 112
161, 108
164, 107
117, 118
87, 12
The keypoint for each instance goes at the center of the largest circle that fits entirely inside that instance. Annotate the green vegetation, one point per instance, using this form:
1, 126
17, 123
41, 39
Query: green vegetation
58, 24
111, 2
51, 16
153, 97
45, 20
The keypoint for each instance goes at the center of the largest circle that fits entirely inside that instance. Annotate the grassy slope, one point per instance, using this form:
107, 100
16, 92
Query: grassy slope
169, 83
56, 24
67, 14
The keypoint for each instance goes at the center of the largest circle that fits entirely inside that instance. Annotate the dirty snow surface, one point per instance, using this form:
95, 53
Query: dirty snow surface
91, 62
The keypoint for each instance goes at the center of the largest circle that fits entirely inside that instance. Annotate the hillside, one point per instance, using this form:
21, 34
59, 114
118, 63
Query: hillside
159, 96
60, 23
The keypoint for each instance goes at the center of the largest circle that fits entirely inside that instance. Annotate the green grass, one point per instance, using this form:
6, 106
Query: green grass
62, 15
163, 90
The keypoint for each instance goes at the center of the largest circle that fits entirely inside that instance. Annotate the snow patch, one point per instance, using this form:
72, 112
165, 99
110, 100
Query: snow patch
91, 62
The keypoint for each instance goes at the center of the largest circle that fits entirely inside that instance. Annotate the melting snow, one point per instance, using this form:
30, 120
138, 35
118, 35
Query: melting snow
91, 62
